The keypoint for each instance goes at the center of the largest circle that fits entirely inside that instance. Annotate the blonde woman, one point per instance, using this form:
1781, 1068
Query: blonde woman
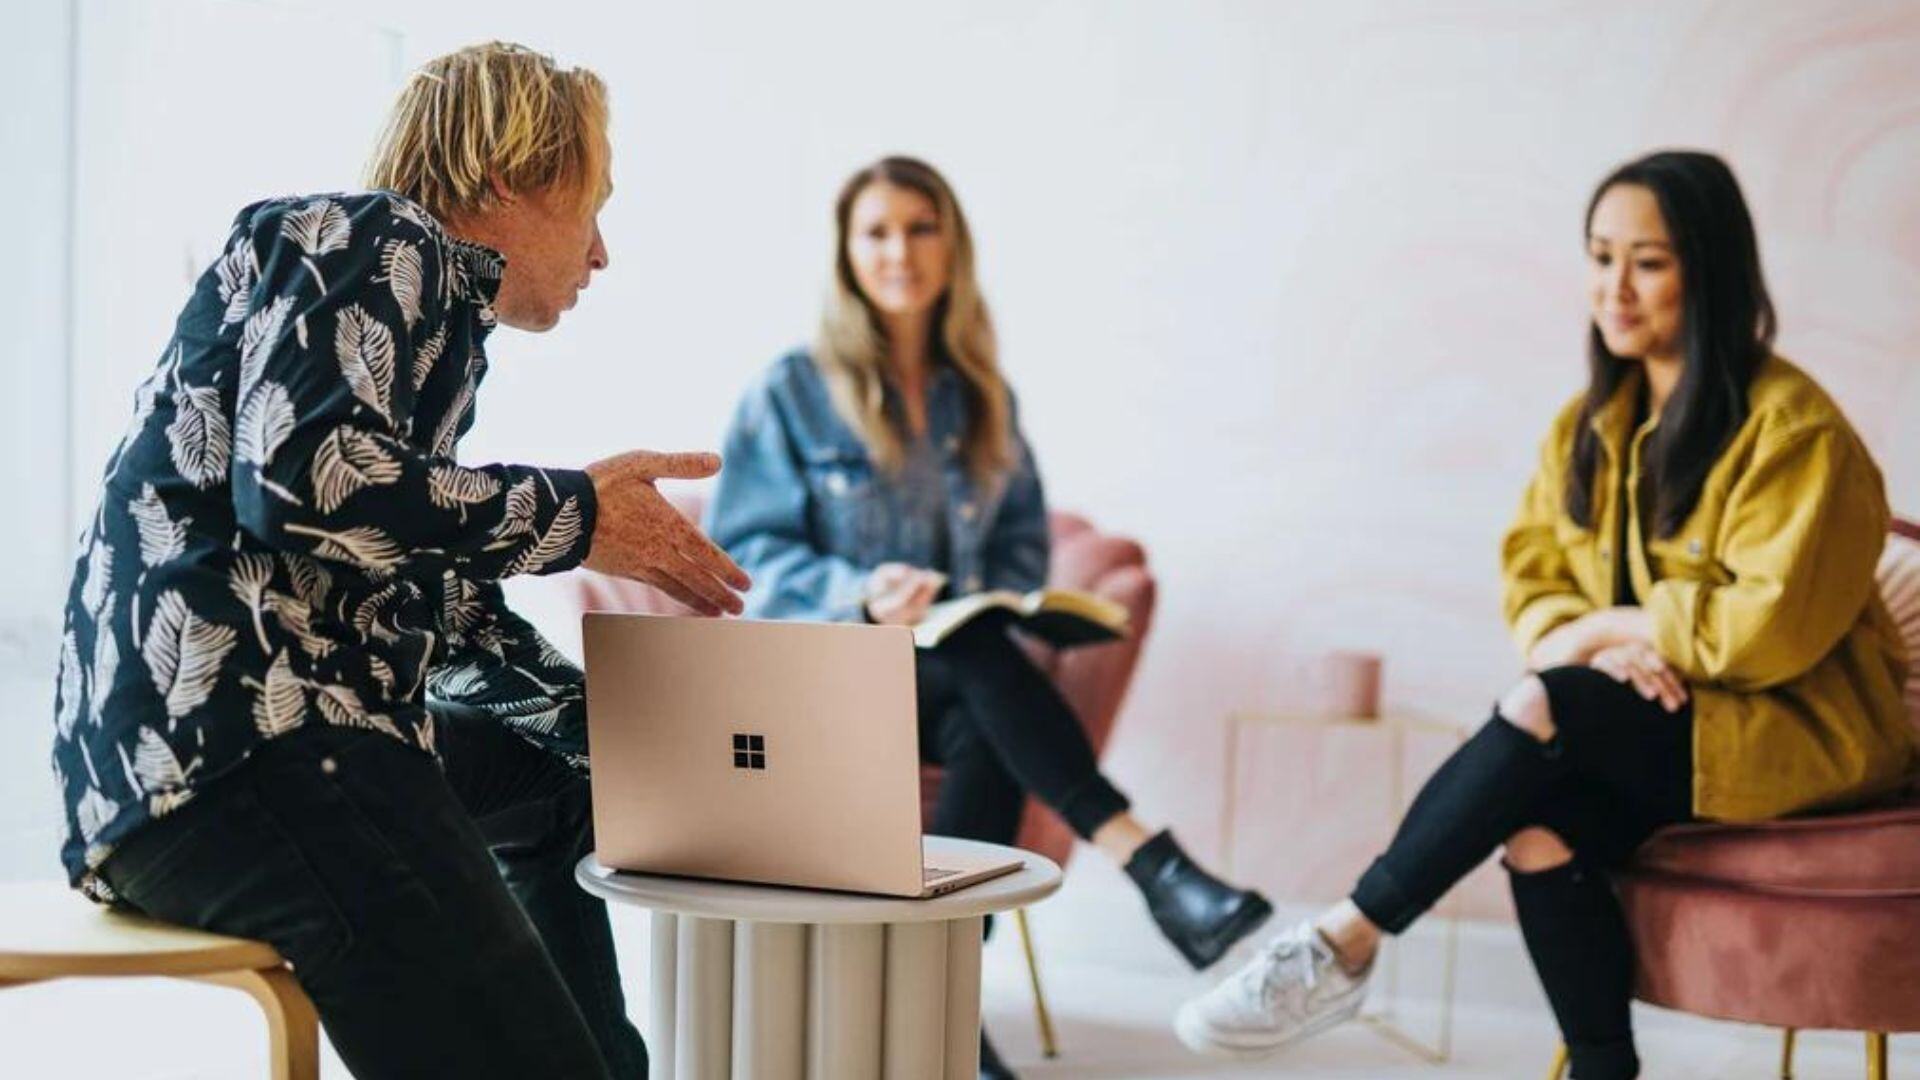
287, 557
885, 468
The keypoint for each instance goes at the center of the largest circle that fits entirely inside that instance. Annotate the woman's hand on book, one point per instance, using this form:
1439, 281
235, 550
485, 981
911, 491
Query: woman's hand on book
638, 534
899, 595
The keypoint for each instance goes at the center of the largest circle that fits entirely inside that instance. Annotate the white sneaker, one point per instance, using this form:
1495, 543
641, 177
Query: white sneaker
1294, 988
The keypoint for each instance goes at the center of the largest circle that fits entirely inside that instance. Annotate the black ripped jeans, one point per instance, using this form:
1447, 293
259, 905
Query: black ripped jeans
1618, 768
431, 916
1001, 729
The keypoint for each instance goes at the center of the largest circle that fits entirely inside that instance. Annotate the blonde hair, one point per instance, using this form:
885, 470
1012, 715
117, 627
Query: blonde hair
491, 113
851, 347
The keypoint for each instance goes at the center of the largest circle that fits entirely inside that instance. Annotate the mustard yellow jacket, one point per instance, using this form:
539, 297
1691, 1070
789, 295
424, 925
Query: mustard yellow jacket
1764, 600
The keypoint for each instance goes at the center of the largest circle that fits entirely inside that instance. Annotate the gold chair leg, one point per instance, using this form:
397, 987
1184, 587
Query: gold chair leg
1041, 1015
293, 1028
1876, 1055
1559, 1068
1786, 1053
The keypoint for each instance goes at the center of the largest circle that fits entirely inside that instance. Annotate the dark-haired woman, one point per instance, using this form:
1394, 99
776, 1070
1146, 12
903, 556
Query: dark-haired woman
1690, 579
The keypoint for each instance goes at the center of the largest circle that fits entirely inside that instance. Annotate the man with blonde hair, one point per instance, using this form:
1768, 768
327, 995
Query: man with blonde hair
287, 560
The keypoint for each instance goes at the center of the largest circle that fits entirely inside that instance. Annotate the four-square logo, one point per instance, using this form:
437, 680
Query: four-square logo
749, 751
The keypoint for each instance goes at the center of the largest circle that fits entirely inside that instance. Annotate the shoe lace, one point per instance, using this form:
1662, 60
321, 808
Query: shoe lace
1286, 961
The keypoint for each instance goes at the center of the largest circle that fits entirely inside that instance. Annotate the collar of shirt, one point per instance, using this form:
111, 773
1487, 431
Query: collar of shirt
477, 280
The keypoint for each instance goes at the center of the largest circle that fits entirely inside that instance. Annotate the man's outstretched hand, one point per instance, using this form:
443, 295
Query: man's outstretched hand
638, 534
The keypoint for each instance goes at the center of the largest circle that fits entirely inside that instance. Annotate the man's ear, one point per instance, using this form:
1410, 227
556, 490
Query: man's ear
501, 192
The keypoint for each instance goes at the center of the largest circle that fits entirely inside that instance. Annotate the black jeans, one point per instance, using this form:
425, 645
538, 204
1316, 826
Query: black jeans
1618, 768
1001, 729
431, 916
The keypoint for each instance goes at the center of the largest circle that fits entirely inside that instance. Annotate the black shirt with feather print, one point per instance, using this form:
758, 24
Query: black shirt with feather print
284, 536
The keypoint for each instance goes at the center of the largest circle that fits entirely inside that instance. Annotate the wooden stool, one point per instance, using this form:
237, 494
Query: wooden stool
47, 931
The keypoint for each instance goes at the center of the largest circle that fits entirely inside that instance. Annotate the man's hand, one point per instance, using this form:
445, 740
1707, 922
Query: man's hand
1636, 662
638, 534
899, 595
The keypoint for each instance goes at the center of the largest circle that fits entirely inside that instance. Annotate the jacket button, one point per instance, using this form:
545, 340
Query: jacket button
967, 511
329, 766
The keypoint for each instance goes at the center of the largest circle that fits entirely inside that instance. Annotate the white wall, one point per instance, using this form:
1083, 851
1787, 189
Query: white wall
1289, 290
34, 126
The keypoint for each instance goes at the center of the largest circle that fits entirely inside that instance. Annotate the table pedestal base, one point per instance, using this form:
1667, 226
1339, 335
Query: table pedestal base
792, 1001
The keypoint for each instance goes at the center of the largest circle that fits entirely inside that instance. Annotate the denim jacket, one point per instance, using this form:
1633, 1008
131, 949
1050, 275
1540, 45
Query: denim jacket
803, 508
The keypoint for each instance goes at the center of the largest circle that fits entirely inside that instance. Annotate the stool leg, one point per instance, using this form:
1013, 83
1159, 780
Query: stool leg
1786, 1053
1558, 1070
293, 1028
1041, 1015
1876, 1055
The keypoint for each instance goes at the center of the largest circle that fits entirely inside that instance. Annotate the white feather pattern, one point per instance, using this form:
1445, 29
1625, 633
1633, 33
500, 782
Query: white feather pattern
296, 618
67, 711
95, 812
106, 664
155, 763
265, 422
320, 227
523, 501
382, 673
162, 539
248, 580
544, 722
199, 440
457, 683
449, 429
401, 262
341, 707
184, 653
310, 580
460, 608
364, 546
364, 347
347, 461
235, 272
280, 704
407, 211
450, 486
262, 331
428, 355
554, 544
93, 595
368, 615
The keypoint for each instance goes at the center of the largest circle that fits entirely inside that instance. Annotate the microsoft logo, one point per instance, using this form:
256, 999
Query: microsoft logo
749, 751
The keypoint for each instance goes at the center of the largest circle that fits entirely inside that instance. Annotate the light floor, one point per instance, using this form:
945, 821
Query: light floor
1112, 985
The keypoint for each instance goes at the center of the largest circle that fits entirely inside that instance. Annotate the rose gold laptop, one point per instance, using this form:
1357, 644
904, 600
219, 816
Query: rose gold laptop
778, 752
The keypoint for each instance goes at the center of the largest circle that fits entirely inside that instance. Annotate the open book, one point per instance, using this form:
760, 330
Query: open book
1059, 617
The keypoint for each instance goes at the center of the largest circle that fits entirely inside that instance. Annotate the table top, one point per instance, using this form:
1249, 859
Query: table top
1036, 879
51, 931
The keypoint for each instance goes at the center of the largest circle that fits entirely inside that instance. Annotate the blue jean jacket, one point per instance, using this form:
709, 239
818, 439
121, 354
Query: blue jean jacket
802, 507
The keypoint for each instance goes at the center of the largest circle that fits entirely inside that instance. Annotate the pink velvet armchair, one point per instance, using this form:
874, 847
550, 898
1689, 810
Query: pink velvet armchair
1094, 680
1805, 923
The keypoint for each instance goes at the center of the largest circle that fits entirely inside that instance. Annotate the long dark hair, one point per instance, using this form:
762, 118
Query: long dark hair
1726, 331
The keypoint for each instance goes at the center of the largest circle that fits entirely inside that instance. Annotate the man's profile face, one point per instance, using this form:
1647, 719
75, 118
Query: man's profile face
552, 243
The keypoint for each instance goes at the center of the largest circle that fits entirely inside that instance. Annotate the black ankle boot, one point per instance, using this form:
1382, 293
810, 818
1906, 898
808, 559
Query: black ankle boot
1200, 914
991, 1067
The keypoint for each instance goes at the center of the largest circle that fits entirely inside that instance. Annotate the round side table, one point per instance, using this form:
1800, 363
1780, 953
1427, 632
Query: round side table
781, 983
